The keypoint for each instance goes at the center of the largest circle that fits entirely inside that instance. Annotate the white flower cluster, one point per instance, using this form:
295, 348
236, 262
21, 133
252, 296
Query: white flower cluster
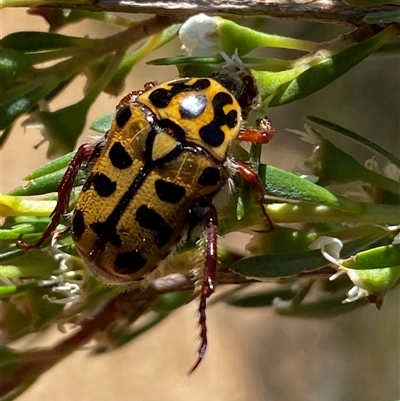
66, 281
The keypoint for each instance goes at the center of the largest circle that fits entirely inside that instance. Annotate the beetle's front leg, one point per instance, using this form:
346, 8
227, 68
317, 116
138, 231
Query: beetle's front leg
208, 279
84, 153
262, 134
131, 96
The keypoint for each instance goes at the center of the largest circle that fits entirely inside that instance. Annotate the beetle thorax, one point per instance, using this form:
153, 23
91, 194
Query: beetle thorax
207, 113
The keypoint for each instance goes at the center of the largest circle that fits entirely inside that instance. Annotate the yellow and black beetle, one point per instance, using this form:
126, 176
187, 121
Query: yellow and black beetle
155, 174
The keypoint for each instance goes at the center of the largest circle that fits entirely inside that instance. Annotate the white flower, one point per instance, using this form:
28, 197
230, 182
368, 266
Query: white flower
198, 35
392, 171
389, 170
330, 248
372, 164
67, 280
310, 135
235, 64
355, 294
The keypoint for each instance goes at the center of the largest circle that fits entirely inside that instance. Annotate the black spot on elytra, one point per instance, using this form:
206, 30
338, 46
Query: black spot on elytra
150, 219
129, 262
162, 97
78, 225
119, 157
169, 192
212, 133
192, 106
123, 115
107, 230
103, 185
209, 177
100, 228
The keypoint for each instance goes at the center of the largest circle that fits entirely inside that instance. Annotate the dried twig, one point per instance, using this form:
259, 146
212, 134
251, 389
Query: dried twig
328, 11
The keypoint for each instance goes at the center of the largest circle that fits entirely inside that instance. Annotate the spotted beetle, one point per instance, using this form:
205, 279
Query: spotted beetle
154, 175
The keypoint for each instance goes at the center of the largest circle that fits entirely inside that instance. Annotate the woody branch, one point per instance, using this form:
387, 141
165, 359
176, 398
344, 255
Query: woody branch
328, 11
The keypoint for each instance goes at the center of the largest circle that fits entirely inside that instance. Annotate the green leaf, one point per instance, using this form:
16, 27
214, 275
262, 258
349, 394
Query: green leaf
323, 307
359, 139
269, 83
280, 240
185, 60
14, 107
12, 65
334, 166
329, 69
374, 271
282, 184
280, 265
15, 206
291, 264
116, 83
390, 48
39, 265
40, 185
45, 184
32, 41
256, 63
259, 299
103, 123
376, 258
61, 127
8, 290
51, 167
11, 234
233, 37
10, 253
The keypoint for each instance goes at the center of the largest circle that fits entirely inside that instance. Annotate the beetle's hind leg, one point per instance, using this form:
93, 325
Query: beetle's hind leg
207, 282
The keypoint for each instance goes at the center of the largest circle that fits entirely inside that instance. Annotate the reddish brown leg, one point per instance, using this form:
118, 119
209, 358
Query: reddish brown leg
208, 284
253, 179
149, 85
262, 134
131, 96
83, 153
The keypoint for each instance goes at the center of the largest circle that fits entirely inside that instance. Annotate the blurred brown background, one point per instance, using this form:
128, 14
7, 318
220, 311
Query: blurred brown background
253, 353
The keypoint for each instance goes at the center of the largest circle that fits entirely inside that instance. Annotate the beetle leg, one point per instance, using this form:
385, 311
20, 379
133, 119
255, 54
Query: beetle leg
263, 133
249, 175
208, 280
131, 96
83, 153
150, 84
